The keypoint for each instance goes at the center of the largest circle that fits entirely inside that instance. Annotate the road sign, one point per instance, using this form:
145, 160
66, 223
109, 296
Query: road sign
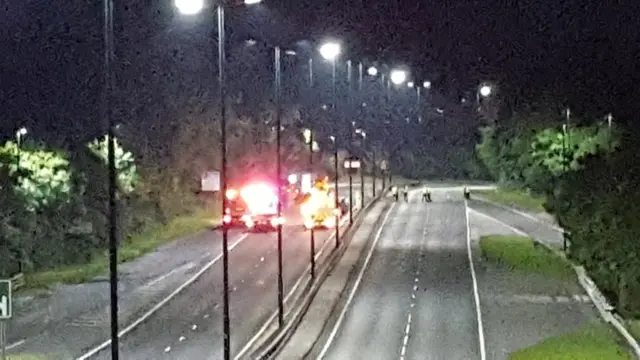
5, 299
352, 164
210, 181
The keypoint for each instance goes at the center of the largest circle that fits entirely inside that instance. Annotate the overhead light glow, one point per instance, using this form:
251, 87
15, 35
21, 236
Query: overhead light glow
398, 76
330, 50
189, 7
372, 71
485, 90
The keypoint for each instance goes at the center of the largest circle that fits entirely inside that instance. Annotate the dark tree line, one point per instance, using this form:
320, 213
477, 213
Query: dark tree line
589, 177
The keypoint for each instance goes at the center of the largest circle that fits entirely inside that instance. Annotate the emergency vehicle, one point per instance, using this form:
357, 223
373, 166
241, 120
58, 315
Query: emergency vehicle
254, 205
319, 207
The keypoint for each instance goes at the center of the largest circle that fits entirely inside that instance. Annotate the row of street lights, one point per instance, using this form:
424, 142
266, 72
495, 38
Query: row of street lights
329, 51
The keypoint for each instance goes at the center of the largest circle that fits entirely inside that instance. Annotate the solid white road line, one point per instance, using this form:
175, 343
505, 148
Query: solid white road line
16, 344
297, 284
162, 303
525, 215
356, 285
518, 232
476, 293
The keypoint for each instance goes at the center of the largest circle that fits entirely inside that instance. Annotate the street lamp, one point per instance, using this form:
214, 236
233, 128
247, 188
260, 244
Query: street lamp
278, 77
410, 84
189, 7
330, 51
19, 135
485, 90
107, 93
364, 138
372, 71
192, 7
426, 84
398, 77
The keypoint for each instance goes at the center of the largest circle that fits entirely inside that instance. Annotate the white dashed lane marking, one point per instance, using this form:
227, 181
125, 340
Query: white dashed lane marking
412, 303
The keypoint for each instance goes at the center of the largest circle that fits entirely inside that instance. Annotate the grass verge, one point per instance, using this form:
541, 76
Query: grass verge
131, 249
593, 342
515, 198
522, 253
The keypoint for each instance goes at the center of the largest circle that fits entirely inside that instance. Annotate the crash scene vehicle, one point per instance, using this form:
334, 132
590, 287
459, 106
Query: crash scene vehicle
318, 209
254, 205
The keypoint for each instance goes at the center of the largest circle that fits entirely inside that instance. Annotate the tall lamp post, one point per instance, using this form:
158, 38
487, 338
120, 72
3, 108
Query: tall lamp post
310, 140
192, 7
397, 77
364, 138
278, 76
373, 71
20, 134
330, 51
109, 49
350, 107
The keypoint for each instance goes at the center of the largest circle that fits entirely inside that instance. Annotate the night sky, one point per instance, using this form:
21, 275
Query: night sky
584, 52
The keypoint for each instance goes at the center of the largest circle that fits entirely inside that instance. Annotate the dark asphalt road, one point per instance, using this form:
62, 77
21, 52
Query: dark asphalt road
190, 325
416, 299
521, 309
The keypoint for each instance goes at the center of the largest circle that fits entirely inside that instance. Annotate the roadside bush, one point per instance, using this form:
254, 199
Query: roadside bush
591, 189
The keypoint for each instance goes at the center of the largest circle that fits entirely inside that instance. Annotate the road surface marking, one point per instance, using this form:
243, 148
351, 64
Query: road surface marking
182, 338
476, 293
194, 327
528, 216
515, 230
16, 344
167, 349
356, 285
297, 284
163, 302
185, 267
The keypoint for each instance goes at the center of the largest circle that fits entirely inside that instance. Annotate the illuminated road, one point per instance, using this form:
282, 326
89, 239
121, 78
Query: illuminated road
189, 326
416, 298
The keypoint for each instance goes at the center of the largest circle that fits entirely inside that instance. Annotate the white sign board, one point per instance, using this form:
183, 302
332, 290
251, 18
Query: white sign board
383, 165
210, 181
352, 164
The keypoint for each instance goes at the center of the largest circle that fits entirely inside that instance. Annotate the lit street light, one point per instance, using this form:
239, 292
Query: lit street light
192, 7
426, 84
398, 77
410, 84
189, 7
330, 51
372, 71
485, 90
